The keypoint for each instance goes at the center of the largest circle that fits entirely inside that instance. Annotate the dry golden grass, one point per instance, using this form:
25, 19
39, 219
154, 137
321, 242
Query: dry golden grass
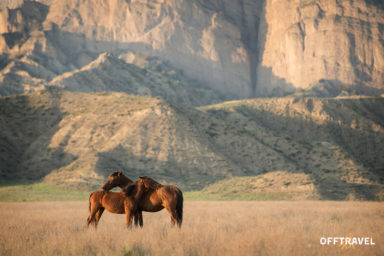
209, 228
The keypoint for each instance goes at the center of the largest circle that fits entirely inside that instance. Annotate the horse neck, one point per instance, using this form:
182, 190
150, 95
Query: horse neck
124, 181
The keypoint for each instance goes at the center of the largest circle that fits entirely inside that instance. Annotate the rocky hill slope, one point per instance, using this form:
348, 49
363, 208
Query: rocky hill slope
337, 142
329, 149
76, 139
241, 48
108, 73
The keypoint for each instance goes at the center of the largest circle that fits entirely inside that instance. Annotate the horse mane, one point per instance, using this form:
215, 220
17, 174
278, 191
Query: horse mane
129, 189
150, 183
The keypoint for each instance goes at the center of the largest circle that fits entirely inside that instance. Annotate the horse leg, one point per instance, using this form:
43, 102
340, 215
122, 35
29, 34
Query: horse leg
138, 218
91, 217
128, 214
172, 213
98, 215
129, 217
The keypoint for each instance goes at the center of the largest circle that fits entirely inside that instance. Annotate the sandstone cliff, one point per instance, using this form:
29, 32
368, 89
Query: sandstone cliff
241, 48
312, 42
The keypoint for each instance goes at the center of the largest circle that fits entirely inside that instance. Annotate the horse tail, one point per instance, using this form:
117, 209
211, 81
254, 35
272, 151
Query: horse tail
89, 207
179, 207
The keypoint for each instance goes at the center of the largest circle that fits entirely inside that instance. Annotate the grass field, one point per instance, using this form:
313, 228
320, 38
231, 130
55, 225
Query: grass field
209, 228
39, 192
45, 192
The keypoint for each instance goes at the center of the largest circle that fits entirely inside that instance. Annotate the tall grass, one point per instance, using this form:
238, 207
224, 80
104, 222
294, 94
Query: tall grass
209, 228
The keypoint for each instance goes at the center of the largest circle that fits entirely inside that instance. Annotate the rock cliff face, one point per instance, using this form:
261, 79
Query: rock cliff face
202, 38
311, 42
242, 48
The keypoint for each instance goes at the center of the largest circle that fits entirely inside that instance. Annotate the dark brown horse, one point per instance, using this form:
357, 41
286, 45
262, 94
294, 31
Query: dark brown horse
157, 196
116, 202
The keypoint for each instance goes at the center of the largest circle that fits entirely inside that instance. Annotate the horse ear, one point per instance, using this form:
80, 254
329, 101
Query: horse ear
118, 174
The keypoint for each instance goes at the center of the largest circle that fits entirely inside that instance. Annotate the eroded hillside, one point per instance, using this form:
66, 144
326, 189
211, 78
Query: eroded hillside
337, 143
304, 148
76, 139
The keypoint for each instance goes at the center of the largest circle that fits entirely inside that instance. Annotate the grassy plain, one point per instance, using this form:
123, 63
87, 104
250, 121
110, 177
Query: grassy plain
46, 192
39, 192
209, 228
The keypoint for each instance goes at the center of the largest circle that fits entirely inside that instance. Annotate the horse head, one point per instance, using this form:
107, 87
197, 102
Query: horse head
116, 179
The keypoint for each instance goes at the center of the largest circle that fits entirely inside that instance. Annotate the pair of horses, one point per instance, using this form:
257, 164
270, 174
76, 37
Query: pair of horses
145, 194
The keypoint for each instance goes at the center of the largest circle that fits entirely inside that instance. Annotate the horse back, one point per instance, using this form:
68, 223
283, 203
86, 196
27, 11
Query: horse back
169, 192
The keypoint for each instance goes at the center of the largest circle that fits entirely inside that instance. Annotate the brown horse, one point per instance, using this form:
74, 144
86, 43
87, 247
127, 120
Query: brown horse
155, 196
116, 202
